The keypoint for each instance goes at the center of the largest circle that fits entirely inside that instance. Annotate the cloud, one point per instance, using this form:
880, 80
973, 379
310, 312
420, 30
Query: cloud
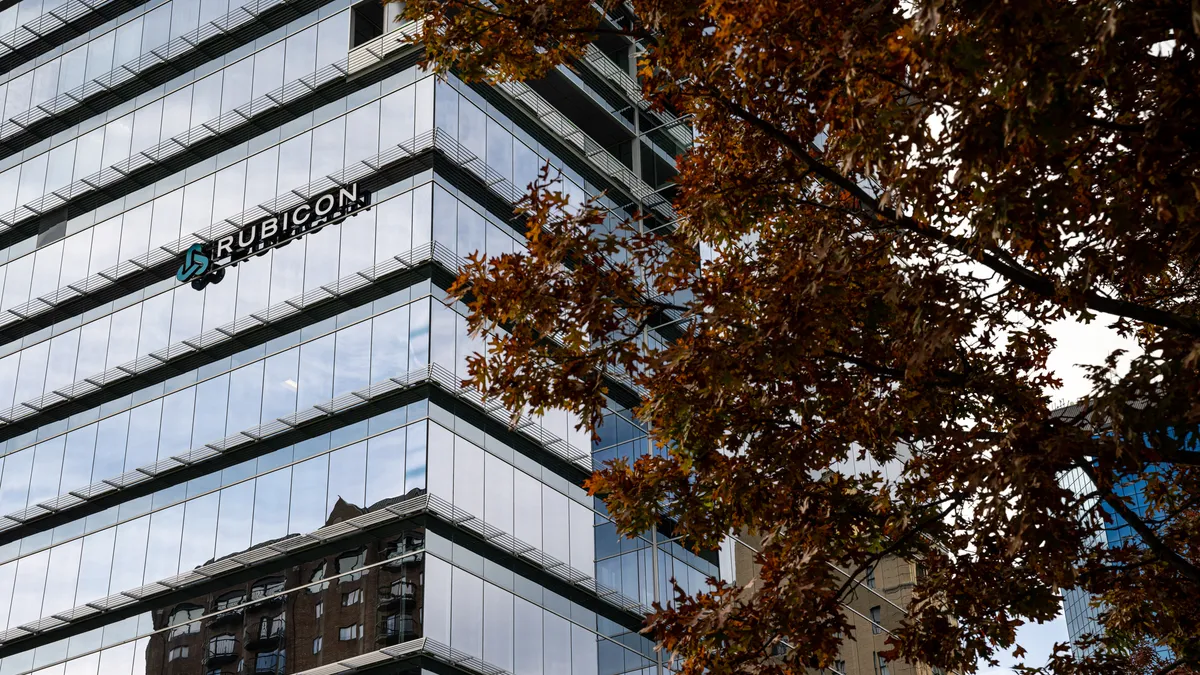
1038, 641
1079, 344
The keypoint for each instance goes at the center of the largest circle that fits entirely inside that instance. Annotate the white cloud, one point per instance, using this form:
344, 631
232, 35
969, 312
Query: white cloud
1038, 641
1080, 343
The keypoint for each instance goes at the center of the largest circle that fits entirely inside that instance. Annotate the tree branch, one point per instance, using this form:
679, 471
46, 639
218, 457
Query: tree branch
1174, 665
1185, 457
898, 543
1149, 536
991, 257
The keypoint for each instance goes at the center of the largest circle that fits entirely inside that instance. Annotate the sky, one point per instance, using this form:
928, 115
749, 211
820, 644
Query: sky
1077, 344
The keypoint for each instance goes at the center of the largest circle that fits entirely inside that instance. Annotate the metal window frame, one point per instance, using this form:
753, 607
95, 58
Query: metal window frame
236, 447
148, 165
154, 67
227, 570
57, 26
122, 276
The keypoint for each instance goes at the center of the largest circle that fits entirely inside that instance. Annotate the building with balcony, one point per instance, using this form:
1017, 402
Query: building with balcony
232, 436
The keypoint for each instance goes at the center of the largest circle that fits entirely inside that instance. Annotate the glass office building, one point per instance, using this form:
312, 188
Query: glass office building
1081, 609
270, 466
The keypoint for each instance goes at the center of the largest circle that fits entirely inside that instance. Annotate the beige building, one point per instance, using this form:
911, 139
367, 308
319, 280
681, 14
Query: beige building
874, 607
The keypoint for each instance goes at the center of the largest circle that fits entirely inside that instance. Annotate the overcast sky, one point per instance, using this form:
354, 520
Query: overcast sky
1077, 344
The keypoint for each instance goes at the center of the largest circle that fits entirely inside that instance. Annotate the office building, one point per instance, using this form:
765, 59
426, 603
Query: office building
1081, 609
232, 434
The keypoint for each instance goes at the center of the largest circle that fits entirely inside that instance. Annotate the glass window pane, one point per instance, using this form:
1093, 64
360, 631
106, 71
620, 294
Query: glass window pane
280, 385
466, 614
347, 476
556, 644
498, 493
316, 372
414, 472
309, 480
385, 466
272, 495
352, 369
498, 626
527, 652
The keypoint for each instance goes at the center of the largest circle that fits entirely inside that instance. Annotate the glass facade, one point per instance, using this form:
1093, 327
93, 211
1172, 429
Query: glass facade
280, 472
1081, 609
1081, 613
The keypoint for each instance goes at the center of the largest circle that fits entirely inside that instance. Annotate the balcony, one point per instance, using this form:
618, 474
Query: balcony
266, 635
205, 140
267, 593
400, 558
222, 649
273, 662
395, 629
57, 26
397, 593
230, 617
154, 67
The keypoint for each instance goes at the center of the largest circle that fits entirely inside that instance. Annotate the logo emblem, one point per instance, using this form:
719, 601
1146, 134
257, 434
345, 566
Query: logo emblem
195, 263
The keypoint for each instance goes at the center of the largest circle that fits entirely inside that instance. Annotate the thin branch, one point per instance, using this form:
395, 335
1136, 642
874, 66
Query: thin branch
1149, 536
896, 545
994, 258
1170, 667
1185, 457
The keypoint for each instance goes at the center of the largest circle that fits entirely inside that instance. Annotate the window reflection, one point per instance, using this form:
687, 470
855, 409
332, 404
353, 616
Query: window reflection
184, 615
317, 575
255, 639
347, 562
267, 587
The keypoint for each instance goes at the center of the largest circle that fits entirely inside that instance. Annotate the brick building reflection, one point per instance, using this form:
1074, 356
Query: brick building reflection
356, 609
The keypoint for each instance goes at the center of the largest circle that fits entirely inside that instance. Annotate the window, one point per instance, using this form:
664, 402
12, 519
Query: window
184, 619
230, 600
269, 662
399, 626
876, 619
317, 575
407, 543
405, 590
871, 577
348, 562
177, 653
883, 665
222, 645
270, 627
320, 609
266, 587
366, 22
840, 666
351, 632
317, 645
352, 598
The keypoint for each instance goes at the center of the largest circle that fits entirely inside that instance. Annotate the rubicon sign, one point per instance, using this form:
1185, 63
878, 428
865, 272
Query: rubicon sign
203, 264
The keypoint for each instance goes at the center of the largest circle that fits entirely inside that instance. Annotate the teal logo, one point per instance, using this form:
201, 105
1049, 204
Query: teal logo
195, 263
205, 263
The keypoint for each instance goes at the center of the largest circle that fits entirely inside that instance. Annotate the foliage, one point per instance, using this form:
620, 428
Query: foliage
886, 207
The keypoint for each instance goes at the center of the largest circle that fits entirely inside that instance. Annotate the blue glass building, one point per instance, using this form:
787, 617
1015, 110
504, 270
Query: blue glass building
233, 441
1081, 609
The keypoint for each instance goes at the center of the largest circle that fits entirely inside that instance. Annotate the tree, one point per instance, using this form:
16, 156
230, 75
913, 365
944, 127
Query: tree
887, 205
